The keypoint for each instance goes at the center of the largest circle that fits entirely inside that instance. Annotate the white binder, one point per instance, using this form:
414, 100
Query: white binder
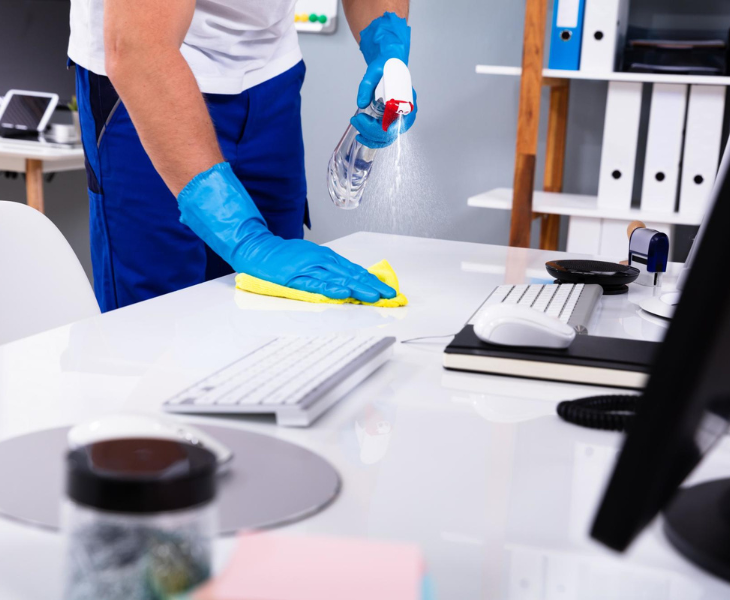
614, 243
584, 235
664, 147
701, 147
604, 34
620, 141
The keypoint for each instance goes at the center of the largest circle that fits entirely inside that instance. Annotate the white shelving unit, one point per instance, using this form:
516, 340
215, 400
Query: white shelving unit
593, 229
612, 76
579, 205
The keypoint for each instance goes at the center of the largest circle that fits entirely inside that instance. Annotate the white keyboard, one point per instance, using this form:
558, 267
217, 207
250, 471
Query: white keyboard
572, 303
295, 378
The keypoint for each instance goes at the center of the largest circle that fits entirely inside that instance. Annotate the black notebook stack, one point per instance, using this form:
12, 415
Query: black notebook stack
592, 360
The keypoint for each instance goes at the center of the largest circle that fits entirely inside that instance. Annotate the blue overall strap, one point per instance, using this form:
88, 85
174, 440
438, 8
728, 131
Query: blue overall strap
139, 248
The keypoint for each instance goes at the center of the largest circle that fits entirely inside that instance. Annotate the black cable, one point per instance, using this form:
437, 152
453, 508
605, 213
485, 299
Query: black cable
614, 413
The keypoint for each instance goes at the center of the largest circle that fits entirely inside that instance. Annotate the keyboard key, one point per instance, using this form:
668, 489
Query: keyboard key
515, 295
571, 303
498, 295
546, 294
529, 297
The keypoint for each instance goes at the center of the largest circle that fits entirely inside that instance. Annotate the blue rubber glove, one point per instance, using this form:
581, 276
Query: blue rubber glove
386, 37
371, 132
217, 207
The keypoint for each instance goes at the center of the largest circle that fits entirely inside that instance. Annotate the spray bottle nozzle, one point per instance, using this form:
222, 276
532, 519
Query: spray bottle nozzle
393, 109
395, 91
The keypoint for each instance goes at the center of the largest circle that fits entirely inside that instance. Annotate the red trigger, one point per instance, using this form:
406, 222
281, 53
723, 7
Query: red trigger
390, 114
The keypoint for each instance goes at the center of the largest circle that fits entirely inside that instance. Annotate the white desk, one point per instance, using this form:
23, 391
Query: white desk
34, 159
476, 469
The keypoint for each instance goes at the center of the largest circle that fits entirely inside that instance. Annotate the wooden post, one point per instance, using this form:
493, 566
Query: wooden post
557, 136
549, 231
528, 122
34, 183
555, 157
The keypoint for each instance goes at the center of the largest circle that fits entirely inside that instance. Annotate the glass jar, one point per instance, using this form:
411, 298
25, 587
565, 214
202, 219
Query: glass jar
140, 519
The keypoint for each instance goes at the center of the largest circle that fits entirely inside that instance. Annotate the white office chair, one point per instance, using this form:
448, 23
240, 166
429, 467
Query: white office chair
42, 283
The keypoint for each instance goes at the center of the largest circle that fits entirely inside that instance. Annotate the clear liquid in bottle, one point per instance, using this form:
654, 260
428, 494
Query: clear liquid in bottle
350, 165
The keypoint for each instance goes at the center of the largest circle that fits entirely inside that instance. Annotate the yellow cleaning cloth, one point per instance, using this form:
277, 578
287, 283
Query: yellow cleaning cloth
381, 270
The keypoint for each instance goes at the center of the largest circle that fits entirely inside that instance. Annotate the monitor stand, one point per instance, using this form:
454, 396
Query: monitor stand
697, 523
661, 306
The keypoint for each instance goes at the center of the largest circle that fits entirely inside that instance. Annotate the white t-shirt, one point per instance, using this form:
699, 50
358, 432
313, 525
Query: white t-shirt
232, 45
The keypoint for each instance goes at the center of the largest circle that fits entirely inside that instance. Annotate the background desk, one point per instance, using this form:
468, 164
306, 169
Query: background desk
35, 159
476, 469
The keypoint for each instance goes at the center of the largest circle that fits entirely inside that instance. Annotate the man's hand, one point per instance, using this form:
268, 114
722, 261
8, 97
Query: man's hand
371, 132
142, 42
382, 36
217, 207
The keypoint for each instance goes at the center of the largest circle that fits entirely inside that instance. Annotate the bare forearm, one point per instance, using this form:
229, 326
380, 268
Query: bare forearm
360, 13
142, 40
169, 114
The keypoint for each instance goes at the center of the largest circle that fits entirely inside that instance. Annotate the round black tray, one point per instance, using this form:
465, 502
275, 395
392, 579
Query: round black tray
612, 277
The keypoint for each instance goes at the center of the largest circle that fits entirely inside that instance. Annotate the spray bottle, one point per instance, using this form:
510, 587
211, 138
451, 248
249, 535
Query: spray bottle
352, 162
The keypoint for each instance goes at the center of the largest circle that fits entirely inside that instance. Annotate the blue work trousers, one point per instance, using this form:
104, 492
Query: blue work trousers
139, 248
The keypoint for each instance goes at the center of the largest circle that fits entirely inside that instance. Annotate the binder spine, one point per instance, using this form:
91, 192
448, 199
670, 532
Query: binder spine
567, 35
620, 141
664, 147
705, 116
604, 34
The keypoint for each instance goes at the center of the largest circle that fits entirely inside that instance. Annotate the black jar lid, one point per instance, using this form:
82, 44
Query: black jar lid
140, 475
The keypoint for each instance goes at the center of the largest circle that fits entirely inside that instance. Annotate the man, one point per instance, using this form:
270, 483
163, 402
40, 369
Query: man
190, 118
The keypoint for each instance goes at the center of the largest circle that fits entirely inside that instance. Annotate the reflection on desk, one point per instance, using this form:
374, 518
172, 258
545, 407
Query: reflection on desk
476, 470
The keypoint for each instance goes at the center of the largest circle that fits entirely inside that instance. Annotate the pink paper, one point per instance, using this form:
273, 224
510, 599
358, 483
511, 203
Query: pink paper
277, 567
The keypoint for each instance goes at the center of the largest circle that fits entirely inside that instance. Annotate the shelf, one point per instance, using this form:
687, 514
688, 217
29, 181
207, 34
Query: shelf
633, 77
576, 205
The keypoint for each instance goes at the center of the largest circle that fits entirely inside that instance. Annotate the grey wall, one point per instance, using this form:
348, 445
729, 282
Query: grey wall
462, 143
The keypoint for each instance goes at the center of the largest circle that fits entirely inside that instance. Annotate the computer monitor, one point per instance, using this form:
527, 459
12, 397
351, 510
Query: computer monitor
684, 411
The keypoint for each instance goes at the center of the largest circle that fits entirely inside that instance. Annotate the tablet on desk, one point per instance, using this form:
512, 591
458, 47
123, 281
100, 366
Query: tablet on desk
25, 113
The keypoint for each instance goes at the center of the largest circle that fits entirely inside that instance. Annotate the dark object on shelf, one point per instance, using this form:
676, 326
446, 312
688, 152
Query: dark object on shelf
676, 70
676, 52
612, 277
